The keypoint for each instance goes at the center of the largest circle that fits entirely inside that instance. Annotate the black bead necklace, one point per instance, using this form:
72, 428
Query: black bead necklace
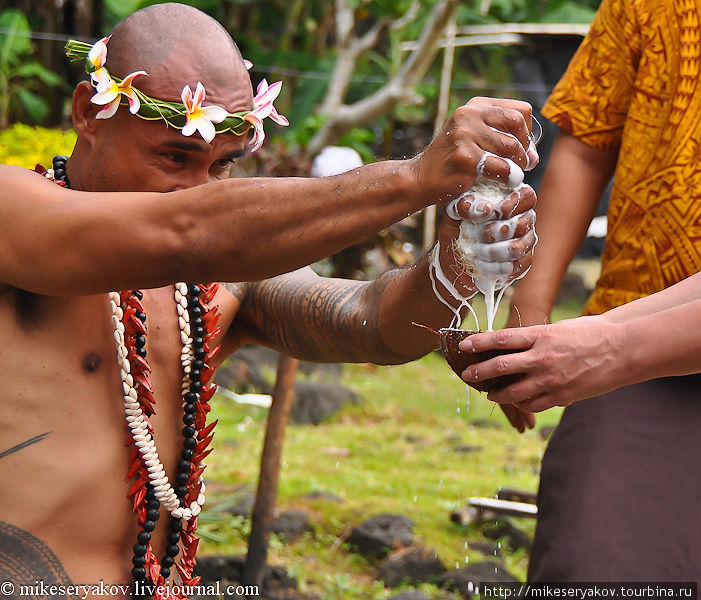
189, 434
59, 166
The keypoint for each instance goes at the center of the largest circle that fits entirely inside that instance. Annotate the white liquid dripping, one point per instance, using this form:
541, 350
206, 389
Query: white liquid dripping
490, 278
489, 264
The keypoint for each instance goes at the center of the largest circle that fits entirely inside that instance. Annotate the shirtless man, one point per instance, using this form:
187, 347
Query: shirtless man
147, 206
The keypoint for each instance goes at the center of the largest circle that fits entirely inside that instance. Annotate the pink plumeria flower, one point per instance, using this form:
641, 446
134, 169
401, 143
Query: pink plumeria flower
98, 53
248, 64
262, 108
109, 93
200, 118
258, 131
267, 94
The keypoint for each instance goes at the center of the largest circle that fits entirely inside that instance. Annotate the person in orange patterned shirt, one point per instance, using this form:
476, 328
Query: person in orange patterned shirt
618, 498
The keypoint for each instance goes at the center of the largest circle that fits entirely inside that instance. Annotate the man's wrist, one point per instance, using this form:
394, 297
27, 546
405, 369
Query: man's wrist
529, 312
634, 354
411, 188
443, 287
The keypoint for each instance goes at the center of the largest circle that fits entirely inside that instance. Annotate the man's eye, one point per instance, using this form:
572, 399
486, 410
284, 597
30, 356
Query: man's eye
225, 163
176, 157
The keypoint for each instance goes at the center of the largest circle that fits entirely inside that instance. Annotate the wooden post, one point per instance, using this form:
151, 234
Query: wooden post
266, 496
430, 214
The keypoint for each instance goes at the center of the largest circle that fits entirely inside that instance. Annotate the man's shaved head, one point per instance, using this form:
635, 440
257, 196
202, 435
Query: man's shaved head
176, 45
179, 45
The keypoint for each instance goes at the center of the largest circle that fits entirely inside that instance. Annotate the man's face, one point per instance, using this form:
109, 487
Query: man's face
132, 154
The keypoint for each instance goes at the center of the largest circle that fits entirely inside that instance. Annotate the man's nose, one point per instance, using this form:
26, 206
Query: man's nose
193, 179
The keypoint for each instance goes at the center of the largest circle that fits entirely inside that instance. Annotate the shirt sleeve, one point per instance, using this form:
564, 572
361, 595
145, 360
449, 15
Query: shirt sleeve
591, 100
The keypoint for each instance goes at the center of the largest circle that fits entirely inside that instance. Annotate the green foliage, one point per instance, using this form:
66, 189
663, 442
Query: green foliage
532, 11
22, 78
25, 146
294, 40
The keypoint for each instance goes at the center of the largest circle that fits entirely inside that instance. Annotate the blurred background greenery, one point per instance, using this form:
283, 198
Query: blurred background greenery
292, 40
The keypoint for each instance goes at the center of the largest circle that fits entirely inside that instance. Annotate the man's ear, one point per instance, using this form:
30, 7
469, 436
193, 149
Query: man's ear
83, 111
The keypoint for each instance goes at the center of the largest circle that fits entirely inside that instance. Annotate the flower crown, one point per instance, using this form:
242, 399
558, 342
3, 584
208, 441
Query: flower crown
190, 116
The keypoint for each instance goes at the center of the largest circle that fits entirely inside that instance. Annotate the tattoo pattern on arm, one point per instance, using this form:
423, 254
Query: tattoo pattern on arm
237, 290
26, 560
323, 320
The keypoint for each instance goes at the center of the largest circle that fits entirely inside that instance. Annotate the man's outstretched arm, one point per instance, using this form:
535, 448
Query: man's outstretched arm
322, 319
63, 242
336, 320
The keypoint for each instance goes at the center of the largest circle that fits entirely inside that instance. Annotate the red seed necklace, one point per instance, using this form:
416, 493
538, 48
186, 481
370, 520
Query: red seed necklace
151, 488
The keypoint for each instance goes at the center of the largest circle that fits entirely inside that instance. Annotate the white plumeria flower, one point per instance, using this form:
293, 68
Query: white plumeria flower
262, 108
98, 53
97, 58
248, 64
200, 118
109, 92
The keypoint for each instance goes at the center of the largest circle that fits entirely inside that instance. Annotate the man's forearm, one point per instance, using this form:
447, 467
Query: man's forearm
253, 229
335, 320
569, 194
680, 293
664, 343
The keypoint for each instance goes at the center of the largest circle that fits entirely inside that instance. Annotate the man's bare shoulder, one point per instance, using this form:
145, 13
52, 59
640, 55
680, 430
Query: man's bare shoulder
15, 173
18, 183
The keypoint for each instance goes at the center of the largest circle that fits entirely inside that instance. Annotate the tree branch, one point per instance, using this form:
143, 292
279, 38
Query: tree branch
345, 22
347, 57
409, 16
345, 117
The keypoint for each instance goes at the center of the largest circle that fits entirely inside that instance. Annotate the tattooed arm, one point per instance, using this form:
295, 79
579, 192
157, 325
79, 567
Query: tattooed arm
337, 320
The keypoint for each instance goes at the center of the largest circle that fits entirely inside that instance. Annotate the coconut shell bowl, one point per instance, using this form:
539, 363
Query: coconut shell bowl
459, 360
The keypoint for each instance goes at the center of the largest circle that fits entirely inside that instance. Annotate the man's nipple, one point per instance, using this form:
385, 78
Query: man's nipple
91, 362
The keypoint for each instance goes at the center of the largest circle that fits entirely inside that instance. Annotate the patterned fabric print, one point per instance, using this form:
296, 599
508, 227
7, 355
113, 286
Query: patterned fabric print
634, 85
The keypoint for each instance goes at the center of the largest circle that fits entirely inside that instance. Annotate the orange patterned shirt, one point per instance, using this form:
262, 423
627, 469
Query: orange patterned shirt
635, 84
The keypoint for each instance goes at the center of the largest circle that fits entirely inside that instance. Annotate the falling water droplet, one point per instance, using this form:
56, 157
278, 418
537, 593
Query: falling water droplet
337, 463
365, 323
414, 498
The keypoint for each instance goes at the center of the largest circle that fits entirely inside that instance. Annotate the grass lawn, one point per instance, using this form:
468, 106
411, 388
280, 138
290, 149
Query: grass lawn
364, 456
